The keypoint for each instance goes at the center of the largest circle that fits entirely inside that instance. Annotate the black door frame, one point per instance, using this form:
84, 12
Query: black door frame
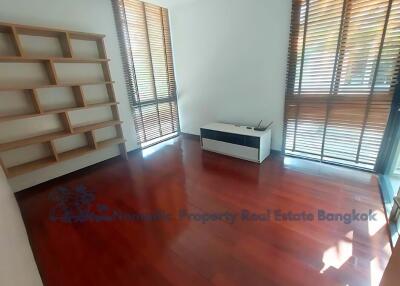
391, 136
386, 159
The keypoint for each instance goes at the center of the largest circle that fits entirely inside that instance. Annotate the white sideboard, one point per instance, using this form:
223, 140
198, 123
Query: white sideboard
237, 141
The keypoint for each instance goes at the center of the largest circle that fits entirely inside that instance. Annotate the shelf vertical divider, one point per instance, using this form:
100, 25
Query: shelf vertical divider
66, 46
53, 150
51, 71
16, 42
91, 138
35, 100
66, 122
79, 96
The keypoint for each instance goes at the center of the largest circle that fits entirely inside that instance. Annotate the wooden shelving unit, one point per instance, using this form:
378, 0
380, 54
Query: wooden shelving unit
30, 90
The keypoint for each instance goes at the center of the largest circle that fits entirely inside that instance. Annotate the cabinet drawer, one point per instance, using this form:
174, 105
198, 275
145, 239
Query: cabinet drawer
234, 150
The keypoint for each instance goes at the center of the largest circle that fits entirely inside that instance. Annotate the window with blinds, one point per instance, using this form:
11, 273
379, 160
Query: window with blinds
343, 63
146, 48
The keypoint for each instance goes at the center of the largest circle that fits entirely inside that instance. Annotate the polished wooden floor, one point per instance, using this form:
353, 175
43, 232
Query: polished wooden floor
176, 176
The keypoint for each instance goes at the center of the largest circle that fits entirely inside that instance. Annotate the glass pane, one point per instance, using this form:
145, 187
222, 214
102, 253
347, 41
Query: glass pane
390, 186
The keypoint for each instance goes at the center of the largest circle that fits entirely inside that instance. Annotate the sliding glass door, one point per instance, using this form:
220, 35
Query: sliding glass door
390, 186
343, 63
389, 167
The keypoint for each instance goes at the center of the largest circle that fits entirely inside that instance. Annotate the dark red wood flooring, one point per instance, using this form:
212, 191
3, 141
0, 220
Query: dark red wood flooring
176, 176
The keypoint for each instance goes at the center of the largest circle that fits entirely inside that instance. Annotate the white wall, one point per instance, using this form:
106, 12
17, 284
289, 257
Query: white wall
94, 16
230, 62
17, 265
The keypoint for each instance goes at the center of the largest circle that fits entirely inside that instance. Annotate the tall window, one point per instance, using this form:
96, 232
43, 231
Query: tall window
343, 64
146, 47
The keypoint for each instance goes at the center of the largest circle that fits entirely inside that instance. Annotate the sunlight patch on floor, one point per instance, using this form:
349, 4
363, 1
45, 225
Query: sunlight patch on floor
375, 225
153, 149
388, 249
337, 255
376, 271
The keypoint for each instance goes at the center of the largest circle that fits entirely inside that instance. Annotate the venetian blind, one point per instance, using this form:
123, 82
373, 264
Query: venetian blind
146, 48
343, 63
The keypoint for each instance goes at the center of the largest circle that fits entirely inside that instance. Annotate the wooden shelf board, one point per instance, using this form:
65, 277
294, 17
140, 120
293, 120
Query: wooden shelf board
18, 116
110, 142
5, 28
28, 167
10, 59
74, 153
68, 155
55, 135
85, 36
47, 32
33, 140
62, 84
55, 111
86, 128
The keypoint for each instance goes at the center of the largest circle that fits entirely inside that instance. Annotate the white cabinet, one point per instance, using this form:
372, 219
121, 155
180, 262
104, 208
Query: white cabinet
236, 141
